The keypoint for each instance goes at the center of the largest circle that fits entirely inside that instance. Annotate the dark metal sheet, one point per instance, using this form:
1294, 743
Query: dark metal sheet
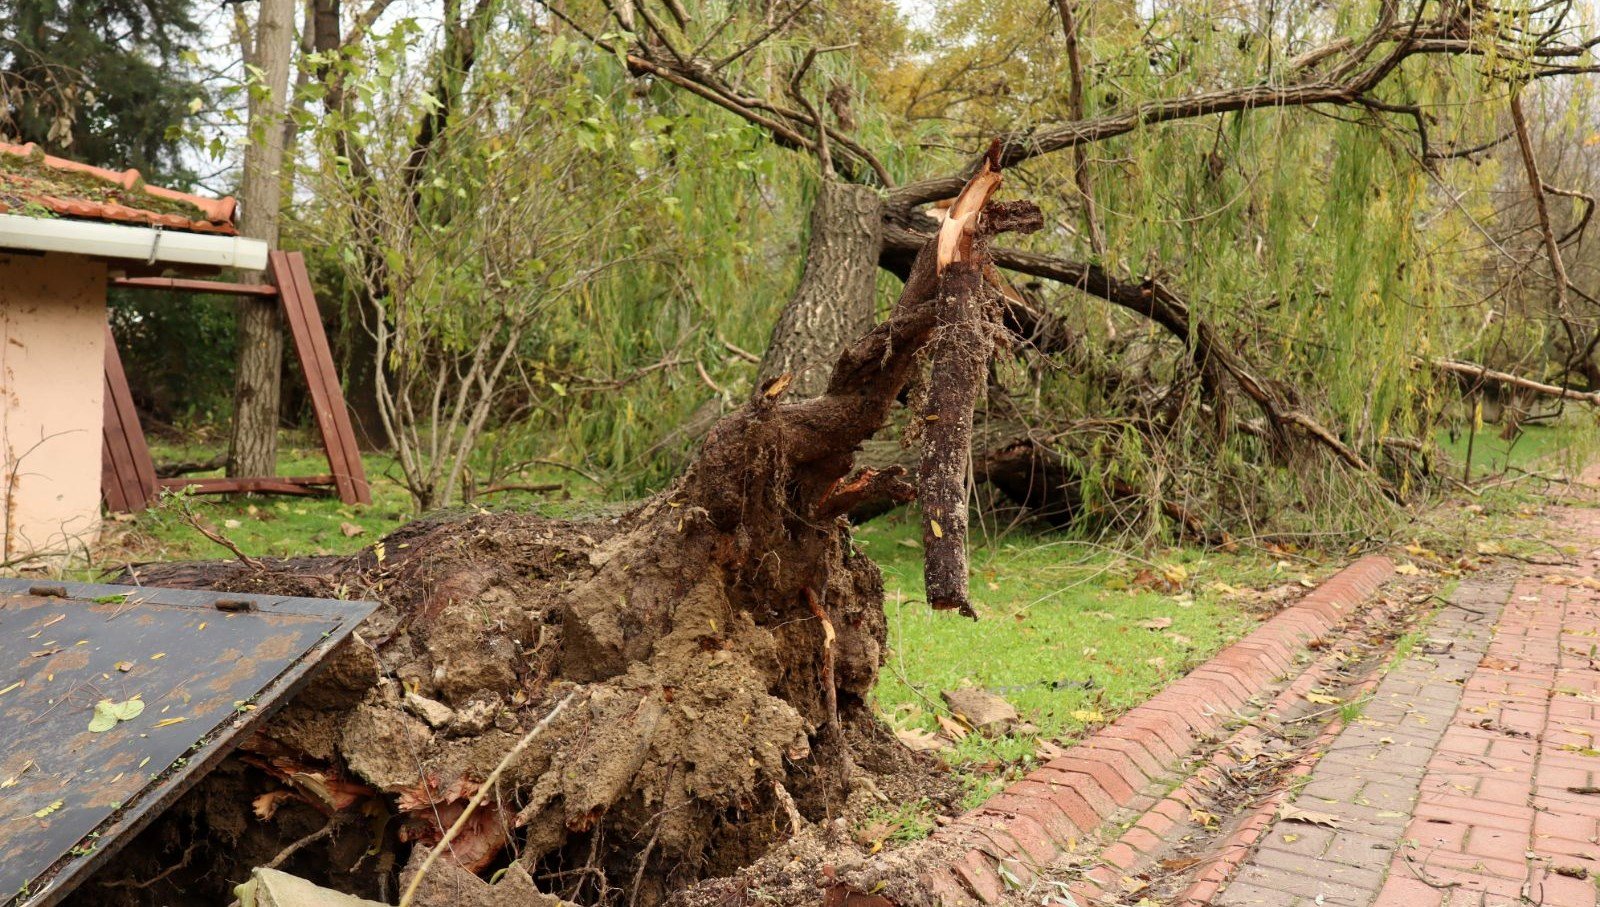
70, 797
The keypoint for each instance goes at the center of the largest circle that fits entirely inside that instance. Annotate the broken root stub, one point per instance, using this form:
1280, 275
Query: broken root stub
710, 696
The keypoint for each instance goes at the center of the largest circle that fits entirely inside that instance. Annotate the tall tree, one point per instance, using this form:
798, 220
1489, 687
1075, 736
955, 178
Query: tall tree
253, 446
101, 81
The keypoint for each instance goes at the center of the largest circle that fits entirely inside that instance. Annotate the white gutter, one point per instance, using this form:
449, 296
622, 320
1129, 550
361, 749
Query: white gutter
150, 245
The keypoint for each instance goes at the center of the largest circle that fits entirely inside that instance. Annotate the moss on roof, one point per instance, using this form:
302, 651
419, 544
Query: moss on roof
21, 178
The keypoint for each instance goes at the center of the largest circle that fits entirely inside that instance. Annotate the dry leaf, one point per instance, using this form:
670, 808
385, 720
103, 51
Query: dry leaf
1308, 816
1156, 623
920, 741
350, 530
953, 729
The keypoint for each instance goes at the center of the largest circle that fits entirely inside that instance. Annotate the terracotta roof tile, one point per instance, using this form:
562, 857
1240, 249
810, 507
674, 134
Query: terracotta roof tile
68, 188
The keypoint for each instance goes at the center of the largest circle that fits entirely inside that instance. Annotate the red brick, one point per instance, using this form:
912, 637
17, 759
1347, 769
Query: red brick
1062, 830
1156, 823
977, 872
1099, 773
1079, 808
1150, 767
1172, 733
1034, 840
947, 889
1408, 891
1142, 840
1121, 856
1159, 753
1118, 761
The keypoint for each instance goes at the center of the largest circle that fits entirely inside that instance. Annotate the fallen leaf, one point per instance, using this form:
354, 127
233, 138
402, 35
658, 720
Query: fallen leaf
1308, 816
48, 809
350, 530
1156, 623
1322, 698
954, 730
1088, 716
107, 714
920, 741
168, 722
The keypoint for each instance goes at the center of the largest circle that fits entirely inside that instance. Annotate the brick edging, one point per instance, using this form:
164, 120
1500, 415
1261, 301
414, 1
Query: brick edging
1035, 819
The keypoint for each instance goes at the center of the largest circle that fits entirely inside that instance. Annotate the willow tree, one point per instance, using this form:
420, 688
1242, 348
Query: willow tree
1219, 209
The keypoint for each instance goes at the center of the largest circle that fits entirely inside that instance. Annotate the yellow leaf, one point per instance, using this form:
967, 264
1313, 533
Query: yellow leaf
1323, 698
168, 722
48, 809
938, 531
1090, 716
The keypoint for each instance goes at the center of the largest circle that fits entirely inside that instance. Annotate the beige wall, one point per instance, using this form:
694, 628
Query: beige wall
52, 361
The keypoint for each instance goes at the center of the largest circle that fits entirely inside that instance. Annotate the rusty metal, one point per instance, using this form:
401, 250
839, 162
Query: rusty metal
71, 797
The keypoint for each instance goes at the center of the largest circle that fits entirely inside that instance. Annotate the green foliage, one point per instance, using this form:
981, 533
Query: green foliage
108, 82
178, 353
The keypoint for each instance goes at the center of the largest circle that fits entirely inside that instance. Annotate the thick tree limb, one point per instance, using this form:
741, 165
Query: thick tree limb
1484, 373
1350, 74
1213, 358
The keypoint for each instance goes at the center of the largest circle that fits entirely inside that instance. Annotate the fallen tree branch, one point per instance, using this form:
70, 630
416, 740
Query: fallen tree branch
1474, 370
1213, 358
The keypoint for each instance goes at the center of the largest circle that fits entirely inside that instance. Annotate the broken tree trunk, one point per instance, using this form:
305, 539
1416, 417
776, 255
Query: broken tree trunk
833, 303
718, 643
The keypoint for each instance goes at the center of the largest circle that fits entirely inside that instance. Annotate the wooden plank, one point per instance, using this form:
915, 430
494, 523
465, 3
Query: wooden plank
344, 431
186, 285
301, 485
181, 481
124, 454
327, 397
290, 292
110, 481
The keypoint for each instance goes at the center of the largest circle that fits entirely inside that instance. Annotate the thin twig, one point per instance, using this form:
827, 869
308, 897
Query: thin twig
477, 798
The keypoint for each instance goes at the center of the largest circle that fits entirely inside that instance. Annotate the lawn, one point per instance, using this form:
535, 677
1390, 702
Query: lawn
1563, 445
1070, 633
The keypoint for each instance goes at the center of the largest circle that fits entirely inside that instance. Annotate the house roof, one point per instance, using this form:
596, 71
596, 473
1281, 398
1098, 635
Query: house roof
32, 181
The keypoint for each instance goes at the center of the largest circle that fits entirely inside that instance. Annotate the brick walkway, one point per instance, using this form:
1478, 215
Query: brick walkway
1462, 783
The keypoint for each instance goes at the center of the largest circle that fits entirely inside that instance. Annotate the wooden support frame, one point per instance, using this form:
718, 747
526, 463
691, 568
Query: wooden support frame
128, 479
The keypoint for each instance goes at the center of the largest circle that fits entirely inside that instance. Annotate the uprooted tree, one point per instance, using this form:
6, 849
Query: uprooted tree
1396, 83
721, 640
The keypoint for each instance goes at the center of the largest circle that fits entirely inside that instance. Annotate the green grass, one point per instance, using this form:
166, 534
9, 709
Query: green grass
277, 526
1565, 444
1062, 634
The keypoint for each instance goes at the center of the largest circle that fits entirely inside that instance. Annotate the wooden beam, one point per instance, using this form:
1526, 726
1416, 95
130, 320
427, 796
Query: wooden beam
185, 285
127, 476
288, 271
302, 485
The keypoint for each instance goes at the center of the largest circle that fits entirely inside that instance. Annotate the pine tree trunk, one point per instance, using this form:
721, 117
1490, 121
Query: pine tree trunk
253, 447
834, 302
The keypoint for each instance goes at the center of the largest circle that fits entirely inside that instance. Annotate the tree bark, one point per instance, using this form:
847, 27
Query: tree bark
834, 302
253, 446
